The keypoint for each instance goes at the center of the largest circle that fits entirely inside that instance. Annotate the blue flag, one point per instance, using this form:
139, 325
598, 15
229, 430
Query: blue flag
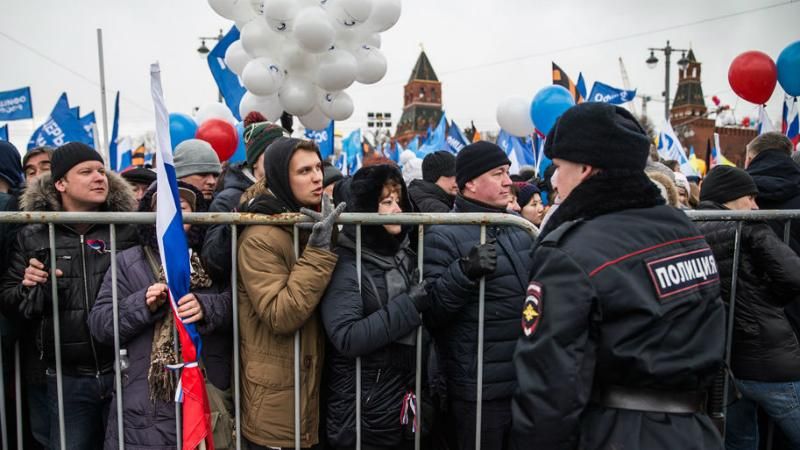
227, 81
61, 127
581, 86
413, 145
4, 133
87, 122
602, 92
436, 139
455, 139
324, 139
16, 104
518, 150
112, 144
351, 147
394, 151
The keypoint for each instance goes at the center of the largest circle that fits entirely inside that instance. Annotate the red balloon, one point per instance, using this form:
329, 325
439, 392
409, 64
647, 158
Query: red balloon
753, 76
221, 135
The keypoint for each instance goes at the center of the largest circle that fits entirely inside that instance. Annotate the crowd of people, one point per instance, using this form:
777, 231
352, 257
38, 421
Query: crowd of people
624, 354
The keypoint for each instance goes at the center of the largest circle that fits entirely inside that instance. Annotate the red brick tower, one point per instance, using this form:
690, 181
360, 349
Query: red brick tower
422, 104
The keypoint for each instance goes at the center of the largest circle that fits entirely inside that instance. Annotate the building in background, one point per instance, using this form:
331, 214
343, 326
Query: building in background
422, 103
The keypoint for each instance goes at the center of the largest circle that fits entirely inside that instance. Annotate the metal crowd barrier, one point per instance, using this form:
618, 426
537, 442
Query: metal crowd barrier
234, 219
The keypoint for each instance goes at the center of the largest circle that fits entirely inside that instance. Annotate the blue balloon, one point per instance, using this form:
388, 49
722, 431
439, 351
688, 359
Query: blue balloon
789, 69
181, 128
548, 105
239, 155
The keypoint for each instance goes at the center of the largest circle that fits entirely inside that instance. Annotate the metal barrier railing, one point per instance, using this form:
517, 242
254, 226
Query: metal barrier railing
234, 219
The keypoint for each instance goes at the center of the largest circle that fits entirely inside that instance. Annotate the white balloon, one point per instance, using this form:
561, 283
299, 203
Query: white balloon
337, 70
313, 30
236, 58
348, 13
223, 7
297, 61
371, 65
280, 14
262, 76
297, 95
315, 120
258, 40
268, 105
336, 105
214, 111
514, 116
243, 10
373, 40
385, 13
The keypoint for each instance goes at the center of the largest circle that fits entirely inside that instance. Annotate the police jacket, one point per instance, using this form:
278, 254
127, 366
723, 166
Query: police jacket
84, 258
765, 347
624, 292
379, 325
453, 317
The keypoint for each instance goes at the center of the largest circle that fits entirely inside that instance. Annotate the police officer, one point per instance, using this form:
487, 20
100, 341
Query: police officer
622, 325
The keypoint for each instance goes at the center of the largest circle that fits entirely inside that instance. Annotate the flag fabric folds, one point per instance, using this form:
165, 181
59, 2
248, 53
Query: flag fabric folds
436, 138
560, 78
61, 126
4, 133
352, 152
791, 120
604, 93
519, 150
324, 139
455, 139
175, 260
16, 104
112, 143
764, 123
228, 82
669, 147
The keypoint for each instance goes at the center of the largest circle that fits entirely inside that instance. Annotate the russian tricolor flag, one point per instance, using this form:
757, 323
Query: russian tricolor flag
175, 260
790, 125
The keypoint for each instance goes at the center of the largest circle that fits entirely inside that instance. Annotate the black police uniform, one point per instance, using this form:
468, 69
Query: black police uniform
623, 329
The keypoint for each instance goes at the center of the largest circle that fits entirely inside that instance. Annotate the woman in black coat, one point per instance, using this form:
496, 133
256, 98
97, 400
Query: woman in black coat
374, 318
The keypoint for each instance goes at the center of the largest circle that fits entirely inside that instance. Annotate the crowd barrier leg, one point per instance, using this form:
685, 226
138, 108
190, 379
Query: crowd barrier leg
117, 350
18, 392
358, 359
418, 372
57, 334
481, 320
737, 248
3, 418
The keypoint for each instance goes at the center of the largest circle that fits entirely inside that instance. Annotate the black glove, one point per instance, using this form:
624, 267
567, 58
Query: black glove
325, 220
482, 260
418, 293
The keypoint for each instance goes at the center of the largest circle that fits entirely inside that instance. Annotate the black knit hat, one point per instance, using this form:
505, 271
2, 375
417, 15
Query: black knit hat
68, 156
526, 191
476, 159
438, 164
726, 183
600, 135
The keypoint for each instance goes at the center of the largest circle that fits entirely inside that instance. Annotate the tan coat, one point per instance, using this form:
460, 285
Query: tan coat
278, 295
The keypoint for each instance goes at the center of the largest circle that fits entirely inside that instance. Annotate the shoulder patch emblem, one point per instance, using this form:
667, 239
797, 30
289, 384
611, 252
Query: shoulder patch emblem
532, 308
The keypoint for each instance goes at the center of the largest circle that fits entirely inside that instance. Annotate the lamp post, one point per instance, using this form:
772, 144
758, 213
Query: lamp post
203, 51
652, 62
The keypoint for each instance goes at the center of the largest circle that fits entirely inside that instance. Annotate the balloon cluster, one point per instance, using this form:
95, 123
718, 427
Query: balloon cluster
300, 56
212, 123
753, 74
520, 117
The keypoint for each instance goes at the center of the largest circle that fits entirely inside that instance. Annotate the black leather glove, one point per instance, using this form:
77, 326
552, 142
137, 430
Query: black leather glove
322, 229
418, 293
481, 261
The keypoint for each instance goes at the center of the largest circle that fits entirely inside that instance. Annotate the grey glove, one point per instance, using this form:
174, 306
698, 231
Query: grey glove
323, 224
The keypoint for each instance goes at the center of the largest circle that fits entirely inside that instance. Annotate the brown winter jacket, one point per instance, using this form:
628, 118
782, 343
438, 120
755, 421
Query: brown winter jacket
278, 295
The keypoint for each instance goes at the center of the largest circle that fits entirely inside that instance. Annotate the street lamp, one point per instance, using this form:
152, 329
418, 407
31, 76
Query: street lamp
203, 51
652, 62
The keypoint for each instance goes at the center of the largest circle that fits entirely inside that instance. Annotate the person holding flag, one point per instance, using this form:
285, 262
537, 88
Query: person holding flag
146, 329
280, 287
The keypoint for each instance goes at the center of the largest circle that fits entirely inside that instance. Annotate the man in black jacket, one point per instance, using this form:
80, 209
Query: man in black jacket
766, 355
437, 189
78, 182
623, 327
454, 263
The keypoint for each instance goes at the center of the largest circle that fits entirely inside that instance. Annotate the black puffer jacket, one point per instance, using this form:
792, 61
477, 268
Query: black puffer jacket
777, 177
453, 318
84, 259
428, 197
216, 252
378, 324
765, 347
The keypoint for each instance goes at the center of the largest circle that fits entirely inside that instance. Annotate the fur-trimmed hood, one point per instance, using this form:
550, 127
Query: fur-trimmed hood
41, 195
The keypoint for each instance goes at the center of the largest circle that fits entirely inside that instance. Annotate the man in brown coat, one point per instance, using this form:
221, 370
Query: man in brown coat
278, 297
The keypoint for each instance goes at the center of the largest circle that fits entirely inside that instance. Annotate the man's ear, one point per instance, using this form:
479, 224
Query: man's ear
60, 185
587, 171
470, 187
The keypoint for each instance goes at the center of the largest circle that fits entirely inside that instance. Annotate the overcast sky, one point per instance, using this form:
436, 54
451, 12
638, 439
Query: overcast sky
482, 51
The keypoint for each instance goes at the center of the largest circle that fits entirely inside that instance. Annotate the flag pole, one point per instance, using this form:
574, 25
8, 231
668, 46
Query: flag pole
105, 151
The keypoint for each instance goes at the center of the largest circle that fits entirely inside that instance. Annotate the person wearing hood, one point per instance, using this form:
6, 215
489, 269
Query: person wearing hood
437, 189
279, 291
455, 262
146, 324
374, 318
78, 182
11, 183
623, 328
765, 357
258, 135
